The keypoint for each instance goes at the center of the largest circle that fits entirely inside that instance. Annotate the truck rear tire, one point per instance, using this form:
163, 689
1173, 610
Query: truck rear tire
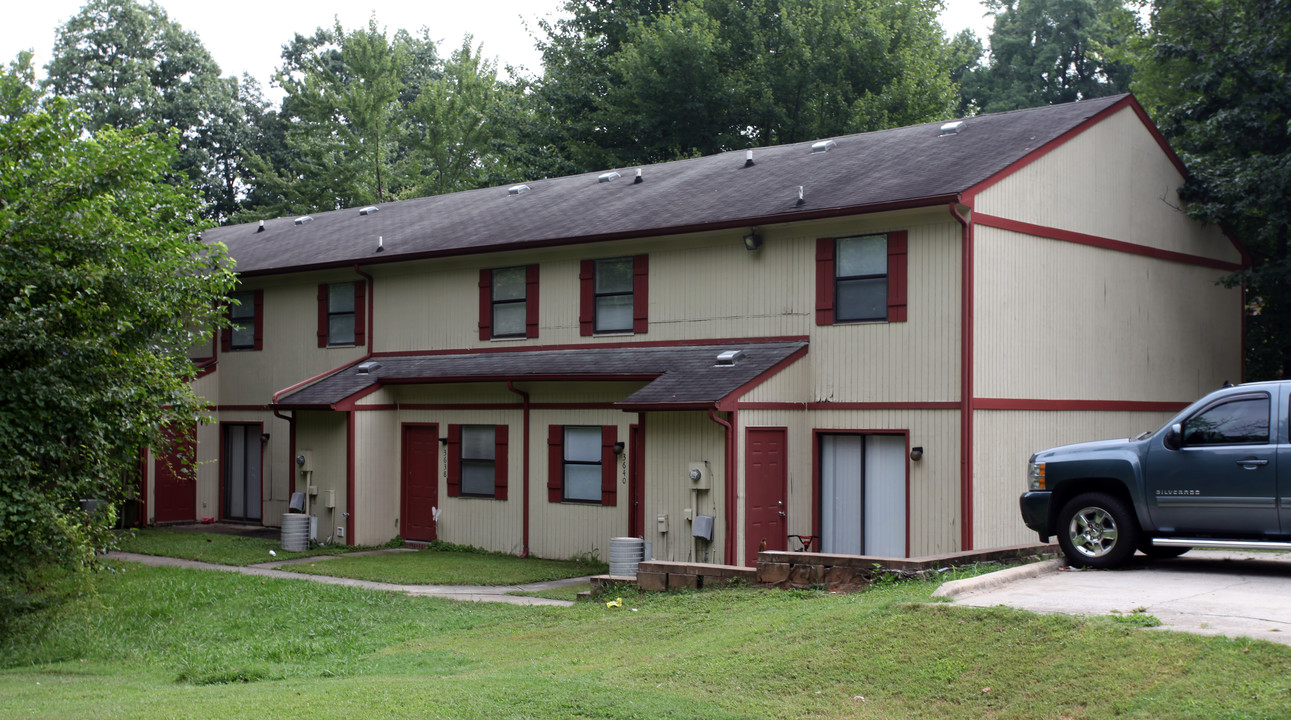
1097, 530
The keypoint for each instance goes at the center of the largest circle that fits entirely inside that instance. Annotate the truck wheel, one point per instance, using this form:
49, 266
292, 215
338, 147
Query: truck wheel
1097, 530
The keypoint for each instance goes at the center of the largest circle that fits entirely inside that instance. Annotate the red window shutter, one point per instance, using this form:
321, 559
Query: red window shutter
609, 465
500, 433
897, 267
360, 313
825, 281
226, 334
640, 294
454, 450
531, 301
258, 332
322, 315
486, 304
555, 463
586, 297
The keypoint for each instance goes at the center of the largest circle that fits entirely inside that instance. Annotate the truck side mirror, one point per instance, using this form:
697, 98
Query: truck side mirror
1174, 437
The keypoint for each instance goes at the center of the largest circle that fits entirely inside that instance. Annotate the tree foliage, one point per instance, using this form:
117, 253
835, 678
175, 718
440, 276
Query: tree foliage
100, 287
648, 81
129, 65
1215, 80
1044, 52
371, 117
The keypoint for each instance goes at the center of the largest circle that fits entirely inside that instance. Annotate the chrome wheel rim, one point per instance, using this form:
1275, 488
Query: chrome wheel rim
1092, 532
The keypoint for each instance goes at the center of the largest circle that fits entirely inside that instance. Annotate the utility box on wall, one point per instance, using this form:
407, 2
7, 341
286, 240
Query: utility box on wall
700, 476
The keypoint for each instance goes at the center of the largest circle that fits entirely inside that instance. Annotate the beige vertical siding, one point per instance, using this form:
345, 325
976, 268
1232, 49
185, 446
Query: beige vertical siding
1005, 439
933, 508
376, 477
1111, 181
1057, 320
674, 440
324, 433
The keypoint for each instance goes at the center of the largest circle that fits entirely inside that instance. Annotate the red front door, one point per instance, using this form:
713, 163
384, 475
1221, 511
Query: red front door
174, 486
636, 476
767, 484
420, 484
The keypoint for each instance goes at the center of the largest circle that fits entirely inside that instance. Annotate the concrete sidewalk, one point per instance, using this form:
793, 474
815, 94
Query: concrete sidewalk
472, 593
1208, 592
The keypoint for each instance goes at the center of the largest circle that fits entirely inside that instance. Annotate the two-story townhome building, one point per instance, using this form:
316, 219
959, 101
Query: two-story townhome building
858, 340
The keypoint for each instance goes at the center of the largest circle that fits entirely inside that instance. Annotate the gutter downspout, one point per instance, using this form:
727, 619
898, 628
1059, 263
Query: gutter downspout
730, 485
351, 417
965, 380
524, 552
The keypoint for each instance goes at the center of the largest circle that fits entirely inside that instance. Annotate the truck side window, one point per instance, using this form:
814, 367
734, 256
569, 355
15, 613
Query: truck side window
1241, 421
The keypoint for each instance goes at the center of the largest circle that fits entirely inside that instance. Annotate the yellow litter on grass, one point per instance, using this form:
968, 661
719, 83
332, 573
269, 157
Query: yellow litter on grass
616, 602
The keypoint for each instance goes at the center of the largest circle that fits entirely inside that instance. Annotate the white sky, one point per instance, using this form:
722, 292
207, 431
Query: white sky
247, 36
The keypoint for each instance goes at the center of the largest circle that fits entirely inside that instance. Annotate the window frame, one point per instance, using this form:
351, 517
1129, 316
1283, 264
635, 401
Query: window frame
359, 312
827, 281
488, 305
255, 303
453, 451
556, 490
589, 296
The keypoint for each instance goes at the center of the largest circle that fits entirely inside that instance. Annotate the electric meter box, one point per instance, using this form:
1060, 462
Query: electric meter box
700, 477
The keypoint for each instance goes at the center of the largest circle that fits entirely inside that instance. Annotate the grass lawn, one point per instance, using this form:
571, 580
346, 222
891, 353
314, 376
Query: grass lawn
450, 567
214, 547
164, 642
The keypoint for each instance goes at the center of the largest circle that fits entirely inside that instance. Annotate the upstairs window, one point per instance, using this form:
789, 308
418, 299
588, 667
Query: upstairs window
246, 312
614, 295
341, 319
861, 278
509, 302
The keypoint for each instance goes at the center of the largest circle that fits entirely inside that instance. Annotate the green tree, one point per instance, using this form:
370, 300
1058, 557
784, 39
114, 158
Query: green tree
644, 82
1214, 78
126, 65
1053, 51
101, 284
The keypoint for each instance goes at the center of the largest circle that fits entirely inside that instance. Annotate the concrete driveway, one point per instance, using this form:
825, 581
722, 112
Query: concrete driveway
1209, 592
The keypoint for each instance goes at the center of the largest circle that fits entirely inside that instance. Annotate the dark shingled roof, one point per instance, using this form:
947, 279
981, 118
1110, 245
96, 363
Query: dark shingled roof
910, 165
676, 375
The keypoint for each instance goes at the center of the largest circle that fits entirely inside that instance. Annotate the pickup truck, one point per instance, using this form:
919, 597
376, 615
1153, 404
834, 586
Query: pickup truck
1217, 475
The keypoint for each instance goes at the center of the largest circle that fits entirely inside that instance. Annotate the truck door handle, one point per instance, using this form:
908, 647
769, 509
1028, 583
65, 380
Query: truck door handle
1248, 462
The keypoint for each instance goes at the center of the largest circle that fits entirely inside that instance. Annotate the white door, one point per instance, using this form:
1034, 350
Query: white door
863, 495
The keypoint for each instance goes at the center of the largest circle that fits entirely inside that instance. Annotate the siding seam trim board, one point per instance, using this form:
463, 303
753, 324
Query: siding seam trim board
1100, 242
1079, 405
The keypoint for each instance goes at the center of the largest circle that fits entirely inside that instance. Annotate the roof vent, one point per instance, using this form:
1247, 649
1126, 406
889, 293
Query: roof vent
951, 128
368, 210
611, 175
261, 227
823, 146
517, 189
728, 358
638, 178
367, 368
748, 159
304, 219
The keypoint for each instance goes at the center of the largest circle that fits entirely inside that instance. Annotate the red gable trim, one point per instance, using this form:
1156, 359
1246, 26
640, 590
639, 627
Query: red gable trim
967, 197
590, 345
1100, 242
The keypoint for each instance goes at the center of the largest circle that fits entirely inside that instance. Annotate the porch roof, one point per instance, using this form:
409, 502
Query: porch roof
677, 376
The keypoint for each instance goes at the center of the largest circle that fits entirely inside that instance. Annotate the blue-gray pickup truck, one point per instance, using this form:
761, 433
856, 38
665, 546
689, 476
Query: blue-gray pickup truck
1217, 475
